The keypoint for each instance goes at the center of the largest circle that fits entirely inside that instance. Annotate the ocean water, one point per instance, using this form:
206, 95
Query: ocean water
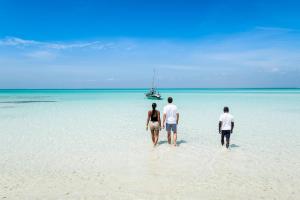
92, 144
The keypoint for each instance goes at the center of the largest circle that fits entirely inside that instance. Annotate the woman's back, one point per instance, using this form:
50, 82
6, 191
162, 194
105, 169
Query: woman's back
154, 115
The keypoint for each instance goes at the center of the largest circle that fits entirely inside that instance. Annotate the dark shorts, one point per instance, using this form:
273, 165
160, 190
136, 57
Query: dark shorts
171, 127
226, 133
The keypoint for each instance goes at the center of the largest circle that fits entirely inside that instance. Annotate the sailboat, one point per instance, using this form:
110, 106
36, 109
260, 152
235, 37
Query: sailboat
153, 93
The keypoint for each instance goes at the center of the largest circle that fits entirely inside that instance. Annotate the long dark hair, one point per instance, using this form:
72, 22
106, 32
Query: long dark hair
153, 113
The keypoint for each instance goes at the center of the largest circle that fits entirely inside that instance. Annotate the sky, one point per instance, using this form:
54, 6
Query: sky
117, 44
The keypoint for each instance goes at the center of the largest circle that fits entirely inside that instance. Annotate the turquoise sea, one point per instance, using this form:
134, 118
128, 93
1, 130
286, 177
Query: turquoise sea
91, 144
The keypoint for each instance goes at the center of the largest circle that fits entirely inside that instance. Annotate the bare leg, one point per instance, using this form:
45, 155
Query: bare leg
156, 133
152, 136
169, 137
175, 138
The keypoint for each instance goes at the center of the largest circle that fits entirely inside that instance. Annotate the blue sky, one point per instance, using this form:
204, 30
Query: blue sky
104, 44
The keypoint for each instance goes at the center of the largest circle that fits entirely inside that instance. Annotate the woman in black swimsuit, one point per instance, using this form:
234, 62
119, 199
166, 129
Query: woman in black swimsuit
154, 122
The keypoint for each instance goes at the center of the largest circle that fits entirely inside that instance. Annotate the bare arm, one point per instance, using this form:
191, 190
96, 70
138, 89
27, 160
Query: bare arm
232, 125
148, 119
164, 120
159, 121
177, 118
220, 125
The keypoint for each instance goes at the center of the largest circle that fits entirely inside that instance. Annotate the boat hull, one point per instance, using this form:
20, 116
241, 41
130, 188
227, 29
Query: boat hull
157, 97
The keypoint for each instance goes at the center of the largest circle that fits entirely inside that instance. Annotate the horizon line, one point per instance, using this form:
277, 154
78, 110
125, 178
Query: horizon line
136, 88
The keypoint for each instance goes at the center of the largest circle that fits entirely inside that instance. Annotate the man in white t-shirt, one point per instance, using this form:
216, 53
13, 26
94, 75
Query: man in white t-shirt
226, 124
170, 119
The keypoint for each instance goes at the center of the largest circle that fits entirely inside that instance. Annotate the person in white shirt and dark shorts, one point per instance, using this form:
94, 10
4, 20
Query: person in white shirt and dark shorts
170, 120
226, 125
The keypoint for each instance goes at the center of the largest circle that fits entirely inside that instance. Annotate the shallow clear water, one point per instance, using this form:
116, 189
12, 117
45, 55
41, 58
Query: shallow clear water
75, 144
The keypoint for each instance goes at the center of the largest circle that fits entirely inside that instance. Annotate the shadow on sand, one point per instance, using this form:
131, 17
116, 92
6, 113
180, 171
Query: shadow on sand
162, 142
166, 142
179, 142
234, 146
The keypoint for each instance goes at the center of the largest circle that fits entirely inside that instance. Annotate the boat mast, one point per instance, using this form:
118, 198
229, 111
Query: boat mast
153, 79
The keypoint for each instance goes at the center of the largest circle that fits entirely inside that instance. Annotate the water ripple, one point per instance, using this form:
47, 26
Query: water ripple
27, 102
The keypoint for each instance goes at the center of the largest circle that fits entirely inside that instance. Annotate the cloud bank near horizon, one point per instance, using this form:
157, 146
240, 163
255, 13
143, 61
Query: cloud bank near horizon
263, 57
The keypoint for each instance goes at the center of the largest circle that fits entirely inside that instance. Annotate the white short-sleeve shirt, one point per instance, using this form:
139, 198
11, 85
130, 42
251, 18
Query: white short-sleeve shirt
226, 120
171, 113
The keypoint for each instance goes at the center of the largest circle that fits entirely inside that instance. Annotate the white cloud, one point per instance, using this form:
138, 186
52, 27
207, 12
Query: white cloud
43, 55
94, 45
259, 52
92, 80
254, 50
14, 41
274, 29
180, 67
110, 79
18, 42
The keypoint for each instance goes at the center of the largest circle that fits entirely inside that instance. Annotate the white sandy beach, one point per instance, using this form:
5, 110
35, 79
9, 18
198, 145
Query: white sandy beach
93, 146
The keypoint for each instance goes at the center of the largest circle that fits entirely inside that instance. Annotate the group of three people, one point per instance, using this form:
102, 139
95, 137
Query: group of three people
171, 119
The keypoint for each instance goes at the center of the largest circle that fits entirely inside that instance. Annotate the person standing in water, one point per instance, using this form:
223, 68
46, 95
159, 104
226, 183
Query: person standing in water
153, 120
171, 118
226, 124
